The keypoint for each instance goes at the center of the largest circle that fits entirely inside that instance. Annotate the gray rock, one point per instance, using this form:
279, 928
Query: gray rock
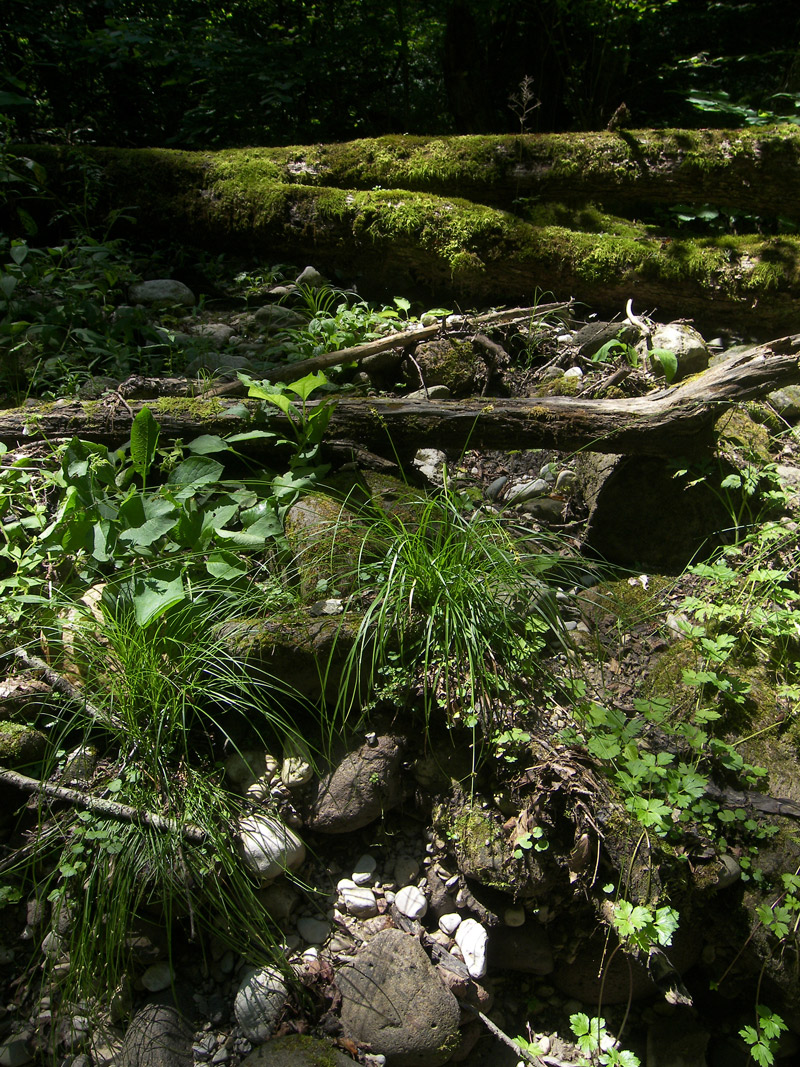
494, 488
522, 491
786, 402
14, 1051
310, 276
313, 931
157, 977
393, 998
219, 333
259, 1001
269, 847
433, 392
364, 784
545, 509
635, 495
296, 1050
161, 292
685, 343
158, 1036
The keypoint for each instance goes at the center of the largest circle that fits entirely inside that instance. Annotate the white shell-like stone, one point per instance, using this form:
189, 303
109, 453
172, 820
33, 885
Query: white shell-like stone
514, 916
411, 902
364, 869
269, 847
449, 922
473, 940
360, 901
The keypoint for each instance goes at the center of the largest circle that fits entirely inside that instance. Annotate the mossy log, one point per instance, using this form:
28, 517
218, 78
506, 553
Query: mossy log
328, 205
675, 421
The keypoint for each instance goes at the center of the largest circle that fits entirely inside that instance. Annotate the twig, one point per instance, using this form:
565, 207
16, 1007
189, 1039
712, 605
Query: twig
65, 687
110, 809
502, 1036
292, 371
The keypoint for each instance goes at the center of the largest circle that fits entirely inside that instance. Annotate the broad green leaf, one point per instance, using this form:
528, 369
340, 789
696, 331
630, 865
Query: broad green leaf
144, 440
208, 443
217, 518
251, 435
197, 470
225, 566
306, 386
8, 283
188, 530
154, 593
667, 361
149, 532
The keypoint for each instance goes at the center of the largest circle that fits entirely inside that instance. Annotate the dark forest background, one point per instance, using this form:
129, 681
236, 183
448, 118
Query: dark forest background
211, 73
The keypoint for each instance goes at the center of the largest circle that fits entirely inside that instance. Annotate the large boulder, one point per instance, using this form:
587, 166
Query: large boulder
394, 1000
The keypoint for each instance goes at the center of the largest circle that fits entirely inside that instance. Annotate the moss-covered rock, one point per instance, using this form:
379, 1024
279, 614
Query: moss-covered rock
21, 746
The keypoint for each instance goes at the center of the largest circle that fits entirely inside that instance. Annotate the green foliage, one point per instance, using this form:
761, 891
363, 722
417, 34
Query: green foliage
170, 696
88, 520
454, 594
594, 1040
59, 324
642, 927
762, 1038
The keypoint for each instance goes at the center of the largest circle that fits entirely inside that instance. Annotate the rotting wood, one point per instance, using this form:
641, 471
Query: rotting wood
675, 421
108, 809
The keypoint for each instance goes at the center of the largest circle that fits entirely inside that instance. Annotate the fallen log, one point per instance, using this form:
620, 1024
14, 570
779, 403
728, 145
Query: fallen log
674, 421
434, 245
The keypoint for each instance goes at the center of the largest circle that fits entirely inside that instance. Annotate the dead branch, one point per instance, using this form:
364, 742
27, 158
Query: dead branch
109, 809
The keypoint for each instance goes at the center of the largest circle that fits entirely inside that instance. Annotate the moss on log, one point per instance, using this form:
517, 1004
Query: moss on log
325, 204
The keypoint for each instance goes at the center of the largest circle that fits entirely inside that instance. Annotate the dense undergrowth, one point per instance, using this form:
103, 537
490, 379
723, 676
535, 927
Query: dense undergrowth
118, 564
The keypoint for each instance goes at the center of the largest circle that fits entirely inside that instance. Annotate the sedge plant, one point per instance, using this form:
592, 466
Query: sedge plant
165, 702
458, 612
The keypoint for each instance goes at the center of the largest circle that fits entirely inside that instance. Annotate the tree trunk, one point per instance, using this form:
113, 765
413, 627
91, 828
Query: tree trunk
384, 214
675, 421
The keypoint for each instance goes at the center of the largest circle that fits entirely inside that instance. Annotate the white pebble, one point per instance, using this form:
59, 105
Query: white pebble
364, 870
473, 940
360, 901
449, 923
411, 902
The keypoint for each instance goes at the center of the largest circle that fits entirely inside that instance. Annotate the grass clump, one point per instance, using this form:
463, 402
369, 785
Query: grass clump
164, 704
458, 610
